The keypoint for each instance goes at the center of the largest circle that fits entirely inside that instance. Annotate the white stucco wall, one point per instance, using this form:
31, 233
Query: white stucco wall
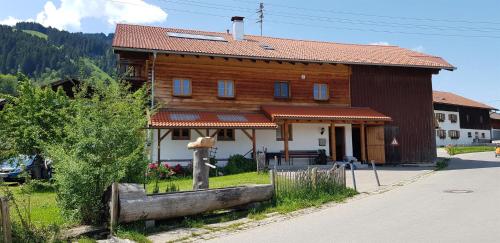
305, 137
464, 139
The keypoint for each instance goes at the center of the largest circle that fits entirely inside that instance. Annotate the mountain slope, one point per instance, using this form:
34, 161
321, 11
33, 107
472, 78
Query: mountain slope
48, 54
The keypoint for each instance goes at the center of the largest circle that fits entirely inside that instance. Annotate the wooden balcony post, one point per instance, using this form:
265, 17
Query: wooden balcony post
285, 140
158, 147
333, 142
363, 142
254, 145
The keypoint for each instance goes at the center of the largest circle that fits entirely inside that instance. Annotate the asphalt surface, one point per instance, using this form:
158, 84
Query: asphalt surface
459, 204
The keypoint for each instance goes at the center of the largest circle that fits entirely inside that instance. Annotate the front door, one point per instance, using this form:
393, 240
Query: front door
375, 144
339, 143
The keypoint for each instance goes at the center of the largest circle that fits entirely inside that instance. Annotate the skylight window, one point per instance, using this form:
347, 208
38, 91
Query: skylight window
266, 47
196, 37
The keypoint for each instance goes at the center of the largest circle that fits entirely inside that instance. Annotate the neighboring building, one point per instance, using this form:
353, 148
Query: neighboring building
252, 92
461, 121
495, 126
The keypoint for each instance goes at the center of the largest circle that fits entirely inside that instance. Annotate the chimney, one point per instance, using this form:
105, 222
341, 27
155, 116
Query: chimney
238, 28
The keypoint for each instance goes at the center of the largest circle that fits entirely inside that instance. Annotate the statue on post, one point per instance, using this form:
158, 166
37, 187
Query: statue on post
200, 149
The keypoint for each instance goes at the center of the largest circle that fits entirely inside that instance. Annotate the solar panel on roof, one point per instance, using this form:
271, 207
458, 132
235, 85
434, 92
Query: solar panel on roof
232, 118
196, 37
184, 117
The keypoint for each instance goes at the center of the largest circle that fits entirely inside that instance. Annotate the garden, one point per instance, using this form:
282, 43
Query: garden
97, 138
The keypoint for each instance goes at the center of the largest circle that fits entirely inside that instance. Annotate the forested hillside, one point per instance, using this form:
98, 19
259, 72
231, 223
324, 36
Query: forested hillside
48, 54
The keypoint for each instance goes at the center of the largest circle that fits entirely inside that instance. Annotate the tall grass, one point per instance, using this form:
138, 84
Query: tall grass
307, 188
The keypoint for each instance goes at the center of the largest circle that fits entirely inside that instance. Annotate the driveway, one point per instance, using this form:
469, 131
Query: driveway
460, 204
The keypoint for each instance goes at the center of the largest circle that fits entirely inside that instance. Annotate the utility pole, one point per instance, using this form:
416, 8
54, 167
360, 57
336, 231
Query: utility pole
261, 16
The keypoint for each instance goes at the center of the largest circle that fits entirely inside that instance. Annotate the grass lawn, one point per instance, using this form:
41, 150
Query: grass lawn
44, 210
186, 183
470, 149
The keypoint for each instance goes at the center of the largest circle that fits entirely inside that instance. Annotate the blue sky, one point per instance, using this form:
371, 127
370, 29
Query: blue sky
466, 33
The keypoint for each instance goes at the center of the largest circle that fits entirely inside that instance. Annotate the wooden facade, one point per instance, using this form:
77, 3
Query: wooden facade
404, 94
469, 117
253, 80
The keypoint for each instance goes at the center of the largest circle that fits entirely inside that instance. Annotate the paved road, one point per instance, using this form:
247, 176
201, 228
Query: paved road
418, 212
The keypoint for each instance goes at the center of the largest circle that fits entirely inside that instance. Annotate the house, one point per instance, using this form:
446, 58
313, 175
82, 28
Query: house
495, 126
285, 97
461, 121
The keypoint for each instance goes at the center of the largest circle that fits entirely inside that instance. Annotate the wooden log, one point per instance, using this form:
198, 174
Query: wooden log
114, 207
6, 226
179, 204
200, 170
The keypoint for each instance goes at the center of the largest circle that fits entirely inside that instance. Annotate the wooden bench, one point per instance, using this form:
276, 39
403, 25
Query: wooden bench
312, 155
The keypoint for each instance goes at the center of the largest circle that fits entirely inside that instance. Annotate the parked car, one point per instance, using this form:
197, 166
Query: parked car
11, 169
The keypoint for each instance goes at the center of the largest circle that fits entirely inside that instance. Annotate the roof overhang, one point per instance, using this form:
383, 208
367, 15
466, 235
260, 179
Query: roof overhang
115, 48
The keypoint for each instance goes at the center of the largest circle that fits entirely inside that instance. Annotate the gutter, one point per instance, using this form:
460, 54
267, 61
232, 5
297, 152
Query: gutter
153, 81
278, 59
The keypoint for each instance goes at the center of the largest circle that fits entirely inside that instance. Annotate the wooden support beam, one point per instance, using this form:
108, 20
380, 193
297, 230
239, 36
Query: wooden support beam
164, 135
215, 133
158, 146
199, 132
254, 145
333, 142
285, 140
363, 142
207, 132
246, 133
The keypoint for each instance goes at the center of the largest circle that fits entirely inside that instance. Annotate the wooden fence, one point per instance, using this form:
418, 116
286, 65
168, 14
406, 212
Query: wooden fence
309, 179
6, 228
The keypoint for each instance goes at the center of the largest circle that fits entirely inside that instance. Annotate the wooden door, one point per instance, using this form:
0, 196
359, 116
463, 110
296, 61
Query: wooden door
375, 144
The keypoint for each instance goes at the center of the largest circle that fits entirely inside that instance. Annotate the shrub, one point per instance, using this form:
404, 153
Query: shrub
40, 186
450, 149
239, 164
104, 143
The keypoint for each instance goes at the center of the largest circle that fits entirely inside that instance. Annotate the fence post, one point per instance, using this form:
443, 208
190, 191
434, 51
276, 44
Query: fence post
353, 177
114, 207
314, 178
375, 171
272, 175
6, 226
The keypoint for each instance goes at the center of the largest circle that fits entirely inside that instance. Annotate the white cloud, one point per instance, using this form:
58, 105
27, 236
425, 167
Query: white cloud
418, 48
9, 21
69, 14
379, 43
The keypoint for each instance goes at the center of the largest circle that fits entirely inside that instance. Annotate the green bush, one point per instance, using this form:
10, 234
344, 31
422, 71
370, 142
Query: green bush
104, 143
238, 164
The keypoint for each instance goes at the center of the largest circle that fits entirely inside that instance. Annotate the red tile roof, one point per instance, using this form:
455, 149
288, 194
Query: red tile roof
322, 112
156, 38
453, 99
197, 119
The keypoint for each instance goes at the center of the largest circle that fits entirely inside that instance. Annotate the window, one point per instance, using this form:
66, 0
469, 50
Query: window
441, 133
225, 88
469, 134
476, 134
454, 134
182, 87
453, 118
281, 89
321, 92
280, 133
440, 117
181, 134
225, 135
483, 135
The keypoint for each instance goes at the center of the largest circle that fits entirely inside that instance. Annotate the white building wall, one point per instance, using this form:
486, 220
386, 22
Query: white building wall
305, 137
464, 138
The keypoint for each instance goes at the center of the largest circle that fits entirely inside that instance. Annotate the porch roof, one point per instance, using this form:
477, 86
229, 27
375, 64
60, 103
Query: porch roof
209, 119
324, 113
